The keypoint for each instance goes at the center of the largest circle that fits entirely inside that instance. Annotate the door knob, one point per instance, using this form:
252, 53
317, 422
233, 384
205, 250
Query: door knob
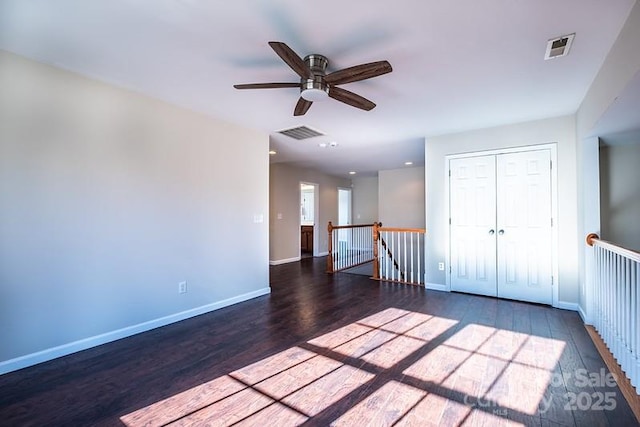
501, 232
492, 232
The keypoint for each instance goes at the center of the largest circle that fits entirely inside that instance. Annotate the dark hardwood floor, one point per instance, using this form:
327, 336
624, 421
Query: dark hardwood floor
324, 350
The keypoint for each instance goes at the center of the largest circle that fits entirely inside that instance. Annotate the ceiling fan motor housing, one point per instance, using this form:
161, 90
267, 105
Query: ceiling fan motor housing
315, 89
315, 84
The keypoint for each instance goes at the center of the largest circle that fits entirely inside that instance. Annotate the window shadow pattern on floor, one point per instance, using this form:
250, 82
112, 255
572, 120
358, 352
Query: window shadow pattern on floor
395, 367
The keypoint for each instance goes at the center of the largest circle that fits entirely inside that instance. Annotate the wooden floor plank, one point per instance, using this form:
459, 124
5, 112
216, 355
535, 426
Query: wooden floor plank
328, 349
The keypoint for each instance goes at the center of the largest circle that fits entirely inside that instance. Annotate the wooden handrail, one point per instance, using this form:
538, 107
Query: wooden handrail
593, 239
337, 227
402, 230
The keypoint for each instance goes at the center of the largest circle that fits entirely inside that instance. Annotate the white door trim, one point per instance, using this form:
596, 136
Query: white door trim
552, 147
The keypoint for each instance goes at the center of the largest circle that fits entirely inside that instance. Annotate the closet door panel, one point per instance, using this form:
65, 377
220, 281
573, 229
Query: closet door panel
472, 199
524, 259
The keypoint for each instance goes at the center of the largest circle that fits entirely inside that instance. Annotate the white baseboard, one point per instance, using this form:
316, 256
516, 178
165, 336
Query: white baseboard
567, 305
583, 315
322, 254
284, 261
73, 347
436, 287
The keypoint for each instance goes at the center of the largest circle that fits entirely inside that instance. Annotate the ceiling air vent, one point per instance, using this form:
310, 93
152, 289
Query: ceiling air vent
301, 132
559, 46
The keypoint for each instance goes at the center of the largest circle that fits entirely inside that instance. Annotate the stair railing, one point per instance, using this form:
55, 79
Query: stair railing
399, 254
349, 246
616, 303
390, 256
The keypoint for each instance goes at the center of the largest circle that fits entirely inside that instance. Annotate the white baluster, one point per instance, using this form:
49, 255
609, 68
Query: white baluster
404, 256
610, 262
635, 321
412, 236
618, 297
358, 247
420, 275
391, 245
625, 315
336, 242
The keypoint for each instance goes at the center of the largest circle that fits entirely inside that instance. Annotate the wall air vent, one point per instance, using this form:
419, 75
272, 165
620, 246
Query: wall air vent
559, 46
301, 132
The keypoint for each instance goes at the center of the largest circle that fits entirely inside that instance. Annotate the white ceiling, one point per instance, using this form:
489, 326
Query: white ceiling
457, 65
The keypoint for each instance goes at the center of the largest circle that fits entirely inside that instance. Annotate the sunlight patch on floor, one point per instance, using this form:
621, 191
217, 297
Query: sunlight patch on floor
384, 407
327, 390
494, 369
291, 386
297, 377
433, 374
185, 403
390, 353
436, 411
266, 368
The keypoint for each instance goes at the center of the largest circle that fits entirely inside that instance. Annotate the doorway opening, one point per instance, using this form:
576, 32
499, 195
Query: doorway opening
344, 216
309, 212
344, 206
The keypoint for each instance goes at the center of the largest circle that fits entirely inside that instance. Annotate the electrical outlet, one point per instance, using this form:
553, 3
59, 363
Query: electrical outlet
182, 287
441, 266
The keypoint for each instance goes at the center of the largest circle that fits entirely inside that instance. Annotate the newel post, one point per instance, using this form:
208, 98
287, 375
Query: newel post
376, 261
591, 237
330, 248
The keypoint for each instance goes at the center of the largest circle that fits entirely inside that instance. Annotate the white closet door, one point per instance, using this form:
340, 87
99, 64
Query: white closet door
472, 237
524, 226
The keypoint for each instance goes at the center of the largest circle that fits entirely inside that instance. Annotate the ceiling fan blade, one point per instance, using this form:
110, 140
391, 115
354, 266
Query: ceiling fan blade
358, 72
292, 59
302, 107
266, 85
351, 98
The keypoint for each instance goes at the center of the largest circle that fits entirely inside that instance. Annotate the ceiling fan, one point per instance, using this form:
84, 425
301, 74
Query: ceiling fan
315, 84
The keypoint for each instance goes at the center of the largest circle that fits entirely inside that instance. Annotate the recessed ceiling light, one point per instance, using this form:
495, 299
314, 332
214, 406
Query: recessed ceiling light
352, 173
408, 163
333, 144
272, 152
322, 145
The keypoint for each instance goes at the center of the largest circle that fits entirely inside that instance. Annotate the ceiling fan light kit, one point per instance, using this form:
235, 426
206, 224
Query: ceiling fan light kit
316, 85
315, 93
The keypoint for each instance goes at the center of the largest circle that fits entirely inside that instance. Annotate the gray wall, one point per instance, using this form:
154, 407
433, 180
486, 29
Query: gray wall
109, 199
619, 68
620, 194
284, 202
401, 197
365, 200
558, 130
